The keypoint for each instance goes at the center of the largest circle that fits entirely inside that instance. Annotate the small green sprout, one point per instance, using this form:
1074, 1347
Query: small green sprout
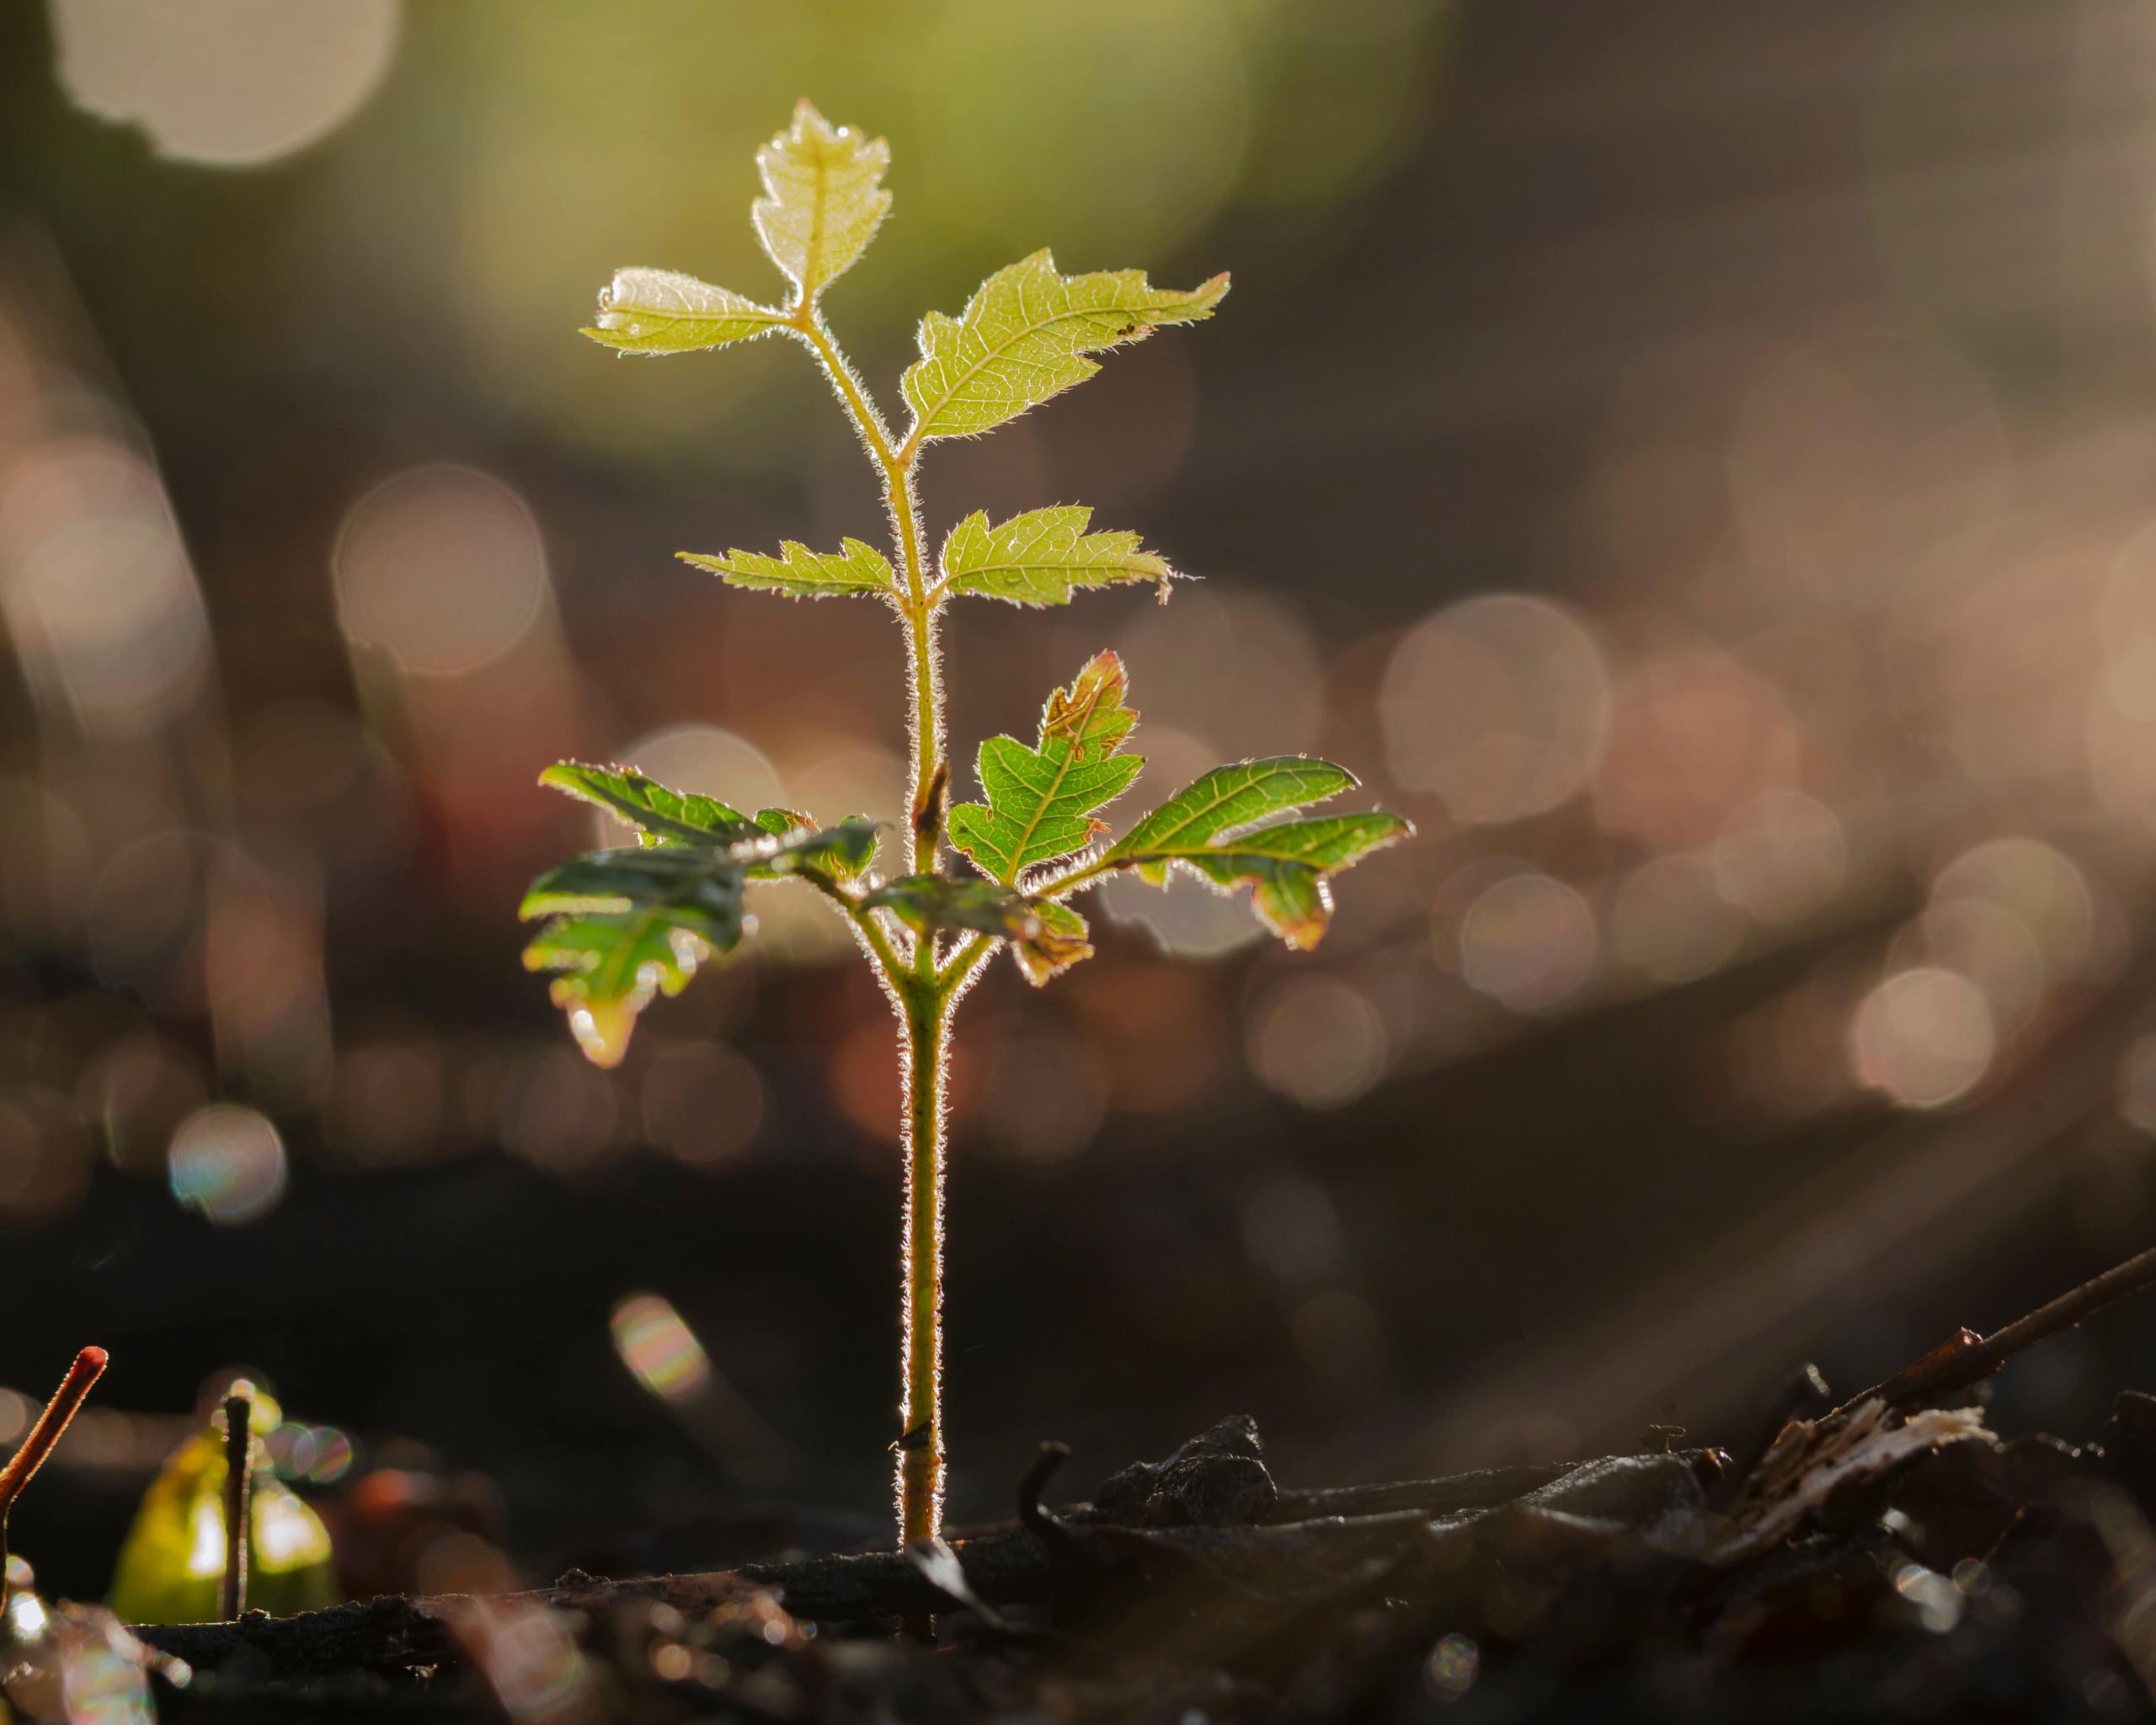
624, 926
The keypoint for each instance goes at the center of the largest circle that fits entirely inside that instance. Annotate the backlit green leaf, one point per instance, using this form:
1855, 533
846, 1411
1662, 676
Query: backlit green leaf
1216, 831
837, 852
663, 814
823, 198
630, 924
1036, 558
664, 312
1041, 801
1229, 796
1024, 336
926, 901
785, 822
1060, 943
697, 880
614, 963
799, 573
1286, 867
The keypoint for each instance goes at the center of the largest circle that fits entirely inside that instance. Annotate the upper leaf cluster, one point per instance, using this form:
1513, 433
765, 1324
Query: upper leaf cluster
1027, 334
822, 202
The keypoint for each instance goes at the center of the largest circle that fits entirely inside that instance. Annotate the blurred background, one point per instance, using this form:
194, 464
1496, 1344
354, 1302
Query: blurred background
1696, 457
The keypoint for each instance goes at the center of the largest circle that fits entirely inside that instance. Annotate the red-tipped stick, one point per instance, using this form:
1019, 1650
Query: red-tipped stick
74, 1389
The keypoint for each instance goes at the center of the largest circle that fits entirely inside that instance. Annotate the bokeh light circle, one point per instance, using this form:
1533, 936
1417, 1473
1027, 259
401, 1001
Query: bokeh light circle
1235, 668
228, 1162
444, 566
232, 82
1669, 920
1499, 705
1782, 857
2037, 882
703, 1102
1318, 1041
1984, 941
1529, 941
2137, 1084
1852, 459
1924, 1036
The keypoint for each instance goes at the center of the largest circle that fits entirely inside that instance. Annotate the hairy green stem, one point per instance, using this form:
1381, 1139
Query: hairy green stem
922, 994
894, 468
920, 1484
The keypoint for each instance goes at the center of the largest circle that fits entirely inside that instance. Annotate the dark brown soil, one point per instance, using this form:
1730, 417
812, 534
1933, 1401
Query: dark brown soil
1974, 1579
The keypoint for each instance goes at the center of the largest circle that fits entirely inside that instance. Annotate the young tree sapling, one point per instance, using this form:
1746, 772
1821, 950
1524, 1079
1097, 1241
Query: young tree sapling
624, 925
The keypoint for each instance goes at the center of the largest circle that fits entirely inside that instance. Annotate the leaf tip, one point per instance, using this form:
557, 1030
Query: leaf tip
602, 1030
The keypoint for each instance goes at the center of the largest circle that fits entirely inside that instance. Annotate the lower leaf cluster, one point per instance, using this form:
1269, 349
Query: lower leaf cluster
624, 926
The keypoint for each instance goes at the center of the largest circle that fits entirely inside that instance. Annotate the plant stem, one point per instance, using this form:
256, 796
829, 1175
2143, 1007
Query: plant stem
894, 468
922, 994
925, 1032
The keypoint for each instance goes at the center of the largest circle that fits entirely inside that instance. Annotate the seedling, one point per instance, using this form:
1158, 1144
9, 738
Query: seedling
624, 925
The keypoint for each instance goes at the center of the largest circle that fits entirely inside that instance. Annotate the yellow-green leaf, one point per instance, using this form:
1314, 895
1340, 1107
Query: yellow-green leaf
1024, 336
823, 198
1036, 558
799, 573
663, 312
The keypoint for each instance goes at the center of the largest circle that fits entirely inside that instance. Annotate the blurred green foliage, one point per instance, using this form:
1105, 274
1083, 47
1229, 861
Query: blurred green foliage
175, 1557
